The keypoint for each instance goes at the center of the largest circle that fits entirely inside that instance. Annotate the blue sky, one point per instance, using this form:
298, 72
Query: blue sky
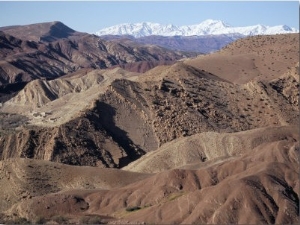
94, 15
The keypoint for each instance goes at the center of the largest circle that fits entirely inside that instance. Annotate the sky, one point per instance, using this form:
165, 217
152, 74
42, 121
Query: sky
91, 16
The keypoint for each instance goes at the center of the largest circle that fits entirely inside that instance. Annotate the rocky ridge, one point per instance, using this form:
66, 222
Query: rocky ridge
141, 113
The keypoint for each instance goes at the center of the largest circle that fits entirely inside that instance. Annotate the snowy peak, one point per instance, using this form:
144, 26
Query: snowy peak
139, 29
214, 23
207, 27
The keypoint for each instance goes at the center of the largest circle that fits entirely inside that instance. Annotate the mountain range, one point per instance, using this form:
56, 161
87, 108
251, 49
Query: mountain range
207, 27
198, 44
50, 50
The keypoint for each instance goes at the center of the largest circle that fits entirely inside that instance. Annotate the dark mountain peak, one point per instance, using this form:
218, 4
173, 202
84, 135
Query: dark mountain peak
57, 30
61, 26
48, 31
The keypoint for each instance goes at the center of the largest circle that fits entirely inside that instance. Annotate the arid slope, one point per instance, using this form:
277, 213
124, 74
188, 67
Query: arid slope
263, 181
207, 148
41, 31
137, 114
258, 58
55, 50
29, 178
217, 147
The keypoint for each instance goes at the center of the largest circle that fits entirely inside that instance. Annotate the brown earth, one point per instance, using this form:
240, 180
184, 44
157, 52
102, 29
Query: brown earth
205, 148
262, 181
31, 178
216, 147
256, 58
46, 32
67, 51
143, 66
47, 132
112, 121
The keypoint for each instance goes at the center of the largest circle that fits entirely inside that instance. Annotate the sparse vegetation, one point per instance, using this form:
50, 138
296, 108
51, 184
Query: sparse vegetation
60, 219
174, 196
91, 220
40, 220
133, 208
18, 220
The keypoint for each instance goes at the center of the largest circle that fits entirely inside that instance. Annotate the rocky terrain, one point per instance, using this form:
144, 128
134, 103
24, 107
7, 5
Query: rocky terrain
50, 50
186, 143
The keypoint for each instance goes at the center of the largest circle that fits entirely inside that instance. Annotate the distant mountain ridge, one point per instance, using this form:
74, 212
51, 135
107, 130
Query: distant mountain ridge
47, 32
207, 27
53, 50
201, 44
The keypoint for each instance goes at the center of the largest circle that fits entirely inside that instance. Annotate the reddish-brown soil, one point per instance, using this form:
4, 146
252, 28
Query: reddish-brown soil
209, 140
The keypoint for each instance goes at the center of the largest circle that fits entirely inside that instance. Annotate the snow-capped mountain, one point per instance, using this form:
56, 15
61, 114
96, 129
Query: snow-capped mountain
207, 27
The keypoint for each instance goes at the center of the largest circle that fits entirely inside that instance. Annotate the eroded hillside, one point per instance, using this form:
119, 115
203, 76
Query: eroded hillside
197, 142
263, 57
262, 181
28, 60
122, 119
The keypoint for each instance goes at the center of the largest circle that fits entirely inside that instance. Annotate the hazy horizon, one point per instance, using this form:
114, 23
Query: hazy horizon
95, 15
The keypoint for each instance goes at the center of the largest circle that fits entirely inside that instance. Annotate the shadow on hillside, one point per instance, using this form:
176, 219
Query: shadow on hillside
105, 114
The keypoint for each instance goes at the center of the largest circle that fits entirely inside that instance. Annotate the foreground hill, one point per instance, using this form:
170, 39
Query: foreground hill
203, 149
262, 181
30, 178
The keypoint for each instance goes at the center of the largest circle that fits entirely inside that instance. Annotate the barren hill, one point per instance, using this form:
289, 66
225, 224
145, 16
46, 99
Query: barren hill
205, 148
48, 31
117, 119
253, 58
28, 60
30, 178
262, 181
51, 50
